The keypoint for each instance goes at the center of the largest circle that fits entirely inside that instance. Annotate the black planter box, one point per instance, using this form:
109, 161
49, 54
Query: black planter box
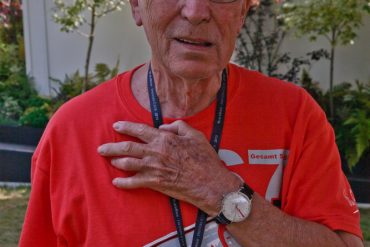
359, 178
20, 135
17, 145
15, 166
361, 189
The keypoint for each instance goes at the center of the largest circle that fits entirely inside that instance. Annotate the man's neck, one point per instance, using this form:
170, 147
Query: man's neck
178, 97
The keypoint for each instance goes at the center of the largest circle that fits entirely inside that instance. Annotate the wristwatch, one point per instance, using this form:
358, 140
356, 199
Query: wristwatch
236, 206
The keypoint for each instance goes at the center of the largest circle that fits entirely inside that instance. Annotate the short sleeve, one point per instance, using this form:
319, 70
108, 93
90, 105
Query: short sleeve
38, 228
314, 186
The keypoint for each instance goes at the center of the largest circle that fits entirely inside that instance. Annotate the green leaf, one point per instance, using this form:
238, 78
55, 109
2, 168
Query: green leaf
360, 130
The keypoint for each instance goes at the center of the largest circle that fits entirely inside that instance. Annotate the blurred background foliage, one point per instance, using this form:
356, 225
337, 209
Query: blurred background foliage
20, 104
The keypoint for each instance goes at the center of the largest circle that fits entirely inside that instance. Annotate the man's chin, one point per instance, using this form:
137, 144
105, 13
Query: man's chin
195, 70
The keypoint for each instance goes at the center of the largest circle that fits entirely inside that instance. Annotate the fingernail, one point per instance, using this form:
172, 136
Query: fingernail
101, 149
117, 126
114, 182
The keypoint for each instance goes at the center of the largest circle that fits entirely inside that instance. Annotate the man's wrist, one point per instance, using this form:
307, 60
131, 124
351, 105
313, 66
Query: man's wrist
232, 183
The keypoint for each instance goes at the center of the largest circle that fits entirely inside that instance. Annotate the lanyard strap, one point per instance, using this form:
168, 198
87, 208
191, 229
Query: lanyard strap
218, 124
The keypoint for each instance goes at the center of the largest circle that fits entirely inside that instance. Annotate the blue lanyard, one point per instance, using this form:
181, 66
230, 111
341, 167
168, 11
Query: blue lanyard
218, 124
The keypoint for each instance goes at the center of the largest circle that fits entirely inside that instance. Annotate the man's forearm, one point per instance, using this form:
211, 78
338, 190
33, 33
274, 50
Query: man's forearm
269, 226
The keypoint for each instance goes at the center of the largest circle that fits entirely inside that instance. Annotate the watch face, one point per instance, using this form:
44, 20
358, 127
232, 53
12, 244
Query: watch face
236, 206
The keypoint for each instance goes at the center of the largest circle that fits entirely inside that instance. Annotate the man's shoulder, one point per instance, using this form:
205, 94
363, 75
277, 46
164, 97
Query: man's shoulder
258, 81
87, 101
258, 86
274, 95
99, 101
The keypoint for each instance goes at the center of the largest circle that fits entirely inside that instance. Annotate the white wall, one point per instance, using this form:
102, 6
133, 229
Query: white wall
36, 44
51, 53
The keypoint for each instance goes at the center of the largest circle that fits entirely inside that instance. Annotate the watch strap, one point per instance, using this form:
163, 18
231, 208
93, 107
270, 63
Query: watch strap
246, 190
221, 219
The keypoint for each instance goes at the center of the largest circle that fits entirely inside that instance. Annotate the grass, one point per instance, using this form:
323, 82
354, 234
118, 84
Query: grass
13, 204
365, 224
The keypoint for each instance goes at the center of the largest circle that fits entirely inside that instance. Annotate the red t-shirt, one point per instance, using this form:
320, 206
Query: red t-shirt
275, 137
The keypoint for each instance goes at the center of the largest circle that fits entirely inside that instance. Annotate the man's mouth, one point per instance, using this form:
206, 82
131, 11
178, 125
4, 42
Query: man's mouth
194, 42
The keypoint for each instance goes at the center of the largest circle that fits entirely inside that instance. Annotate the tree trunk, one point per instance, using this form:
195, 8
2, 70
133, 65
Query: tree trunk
89, 49
331, 100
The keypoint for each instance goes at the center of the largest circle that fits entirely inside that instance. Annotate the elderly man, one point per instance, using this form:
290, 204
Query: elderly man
200, 152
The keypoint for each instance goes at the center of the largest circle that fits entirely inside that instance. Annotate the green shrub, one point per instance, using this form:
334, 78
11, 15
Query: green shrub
20, 87
38, 101
70, 87
9, 108
19, 101
9, 62
8, 122
353, 120
36, 116
73, 84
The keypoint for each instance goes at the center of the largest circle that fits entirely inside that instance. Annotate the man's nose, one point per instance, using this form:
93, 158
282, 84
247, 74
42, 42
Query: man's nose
196, 11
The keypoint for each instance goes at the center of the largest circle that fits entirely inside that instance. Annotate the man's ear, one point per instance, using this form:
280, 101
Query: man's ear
255, 3
245, 8
135, 10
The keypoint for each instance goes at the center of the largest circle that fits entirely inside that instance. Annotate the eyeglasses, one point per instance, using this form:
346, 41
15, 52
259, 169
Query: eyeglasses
223, 1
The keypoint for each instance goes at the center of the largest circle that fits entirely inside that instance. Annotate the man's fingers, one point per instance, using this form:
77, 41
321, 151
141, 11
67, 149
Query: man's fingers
138, 130
126, 183
133, 182
128, 148
180, 128
128, 164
